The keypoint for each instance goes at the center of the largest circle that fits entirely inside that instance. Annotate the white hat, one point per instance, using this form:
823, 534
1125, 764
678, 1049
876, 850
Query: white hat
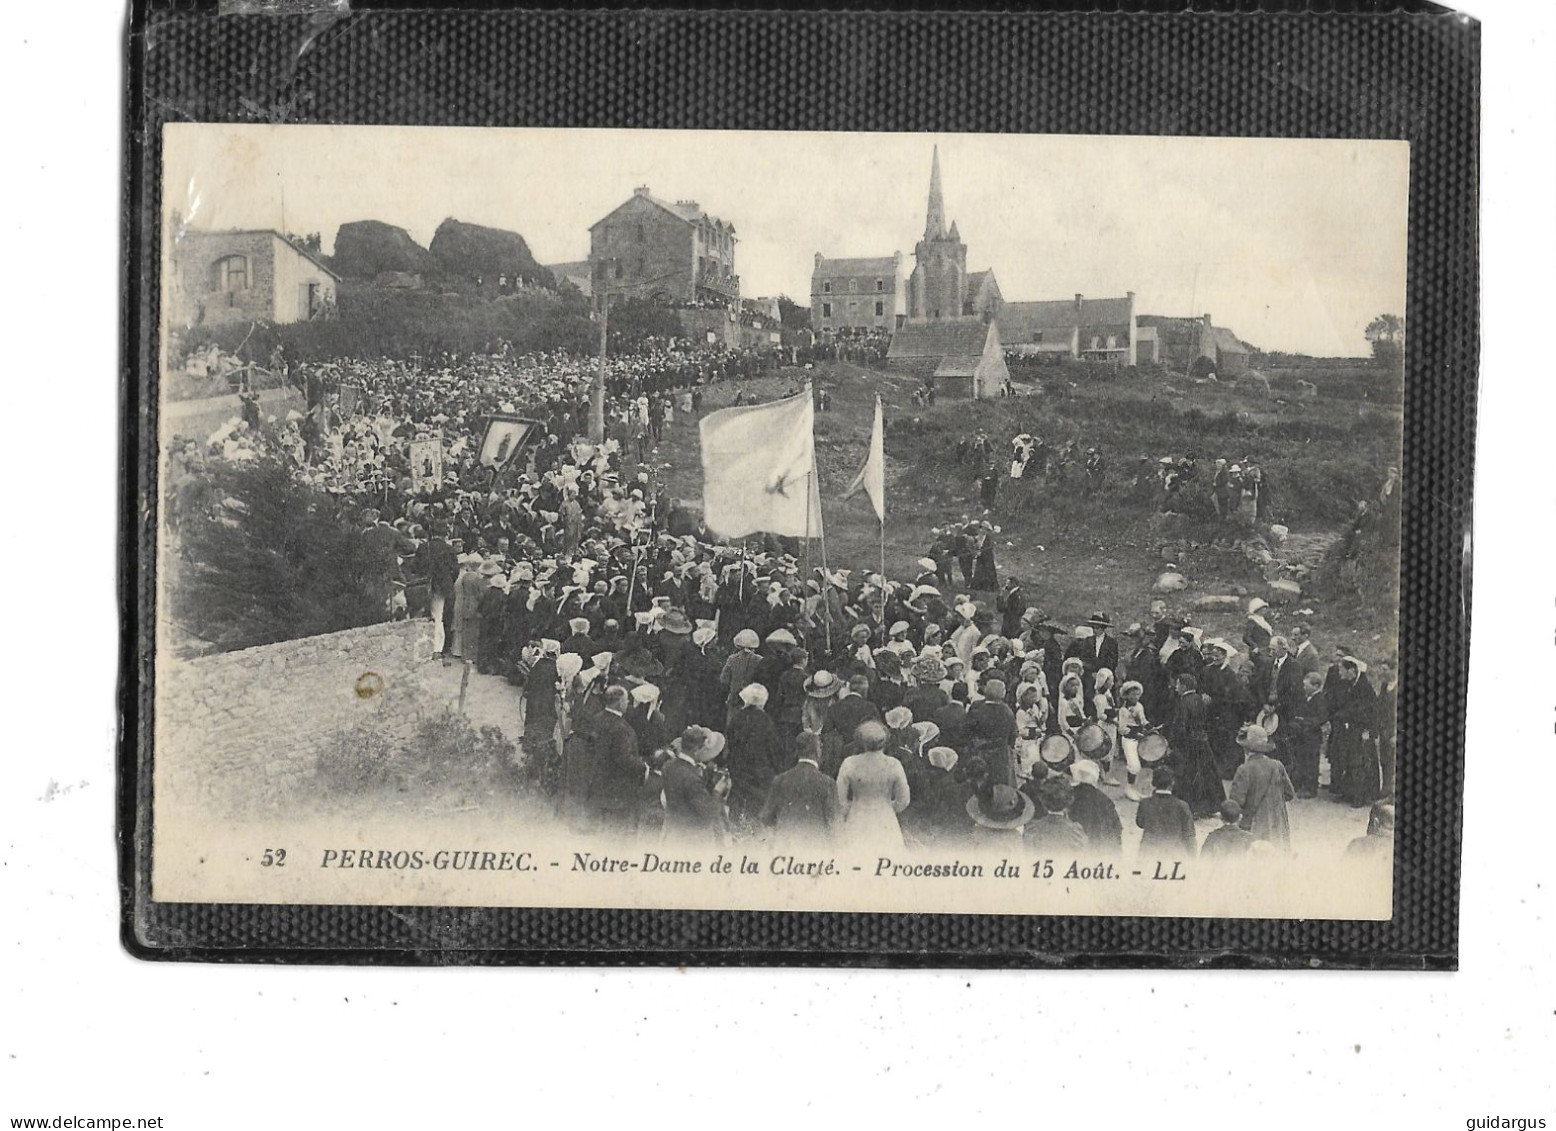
645, 693
899, 626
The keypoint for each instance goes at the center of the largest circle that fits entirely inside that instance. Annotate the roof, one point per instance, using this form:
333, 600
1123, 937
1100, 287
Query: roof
302, 251
1061, 314
977, 280
579, 267
962, 365
870, 265
948, 337
682, 211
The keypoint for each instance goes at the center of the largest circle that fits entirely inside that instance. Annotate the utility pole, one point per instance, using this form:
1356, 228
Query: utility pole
597, 397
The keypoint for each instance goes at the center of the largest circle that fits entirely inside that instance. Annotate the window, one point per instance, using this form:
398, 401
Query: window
853, 285
826, 310
852, 307
640, 233
1096, 342
616, 268
880, 285
1112, 341
1037, 337
880, 308
826, 288
232, 274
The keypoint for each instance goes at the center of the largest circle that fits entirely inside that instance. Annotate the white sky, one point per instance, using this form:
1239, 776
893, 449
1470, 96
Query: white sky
1293, 244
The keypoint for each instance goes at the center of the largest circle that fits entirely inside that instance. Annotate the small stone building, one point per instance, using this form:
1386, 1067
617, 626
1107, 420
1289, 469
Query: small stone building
1194, 346
245, 276
962, 356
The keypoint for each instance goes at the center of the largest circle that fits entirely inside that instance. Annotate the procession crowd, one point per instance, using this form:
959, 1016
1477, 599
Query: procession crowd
1037, 464
675, 686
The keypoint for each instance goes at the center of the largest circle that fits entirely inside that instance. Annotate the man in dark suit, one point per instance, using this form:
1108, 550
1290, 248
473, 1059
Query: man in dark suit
618, 769
1097, 652
438, 563
1282, 679
802, 801
1303, 650
848, 710
952, 719
1168, 822
1301, 735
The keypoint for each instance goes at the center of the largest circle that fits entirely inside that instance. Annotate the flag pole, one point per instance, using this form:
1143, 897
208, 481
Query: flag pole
815, 489
880, 420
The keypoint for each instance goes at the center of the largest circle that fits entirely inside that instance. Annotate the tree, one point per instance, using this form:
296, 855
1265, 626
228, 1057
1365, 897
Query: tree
792, 314
634, 319
272, 560
1386, 332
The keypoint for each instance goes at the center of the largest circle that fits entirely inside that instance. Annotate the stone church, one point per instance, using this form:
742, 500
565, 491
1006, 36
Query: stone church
940, 286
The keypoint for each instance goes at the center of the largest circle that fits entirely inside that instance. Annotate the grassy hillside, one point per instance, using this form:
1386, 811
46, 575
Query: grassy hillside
1075, 553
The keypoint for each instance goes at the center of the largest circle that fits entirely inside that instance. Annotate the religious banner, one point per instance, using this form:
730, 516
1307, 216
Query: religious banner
350, 395
427, 462
505, 436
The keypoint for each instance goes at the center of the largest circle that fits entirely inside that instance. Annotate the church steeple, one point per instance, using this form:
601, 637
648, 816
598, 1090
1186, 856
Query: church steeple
934, 223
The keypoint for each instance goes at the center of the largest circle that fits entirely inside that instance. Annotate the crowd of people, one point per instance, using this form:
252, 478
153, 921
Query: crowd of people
1235, 486
676, 686
859, 710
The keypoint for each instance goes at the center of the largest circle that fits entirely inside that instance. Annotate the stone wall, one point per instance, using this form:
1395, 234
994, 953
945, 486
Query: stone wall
230, 724
197, 298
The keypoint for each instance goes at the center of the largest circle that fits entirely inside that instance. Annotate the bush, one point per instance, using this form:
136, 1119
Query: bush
356, 761
445, 754
262, 558
374, 322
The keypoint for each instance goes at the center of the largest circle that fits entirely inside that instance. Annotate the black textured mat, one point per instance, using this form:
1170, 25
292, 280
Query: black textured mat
1336, 74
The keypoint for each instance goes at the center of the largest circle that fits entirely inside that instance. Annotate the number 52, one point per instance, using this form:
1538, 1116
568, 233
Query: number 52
273, 858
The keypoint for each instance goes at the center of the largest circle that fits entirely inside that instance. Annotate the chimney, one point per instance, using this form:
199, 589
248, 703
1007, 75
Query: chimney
1078, 303
1130, 295
818, 261
1205, 318
641, 190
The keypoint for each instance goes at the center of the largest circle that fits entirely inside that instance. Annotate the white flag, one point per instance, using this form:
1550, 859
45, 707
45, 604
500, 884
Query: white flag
872, 476
758, 469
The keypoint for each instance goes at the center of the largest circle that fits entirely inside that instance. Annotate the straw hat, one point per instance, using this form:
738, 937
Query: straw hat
1000, 807
822, 685
1256, 739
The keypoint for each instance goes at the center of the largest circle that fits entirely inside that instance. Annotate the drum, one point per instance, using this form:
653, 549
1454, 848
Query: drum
1153, 748
1093, 742
1269, 719
1056, 750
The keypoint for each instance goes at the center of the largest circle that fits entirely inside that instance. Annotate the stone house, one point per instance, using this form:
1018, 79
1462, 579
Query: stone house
962, 356
672, 253
857, 294
1194, 345
1087, 329
254, 275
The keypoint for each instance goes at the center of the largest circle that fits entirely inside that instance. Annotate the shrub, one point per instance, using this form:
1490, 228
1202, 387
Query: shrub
378, 322
356, 761
445, 754
262, 558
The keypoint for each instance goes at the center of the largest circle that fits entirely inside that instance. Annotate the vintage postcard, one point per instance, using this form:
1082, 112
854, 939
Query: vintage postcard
930, 523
